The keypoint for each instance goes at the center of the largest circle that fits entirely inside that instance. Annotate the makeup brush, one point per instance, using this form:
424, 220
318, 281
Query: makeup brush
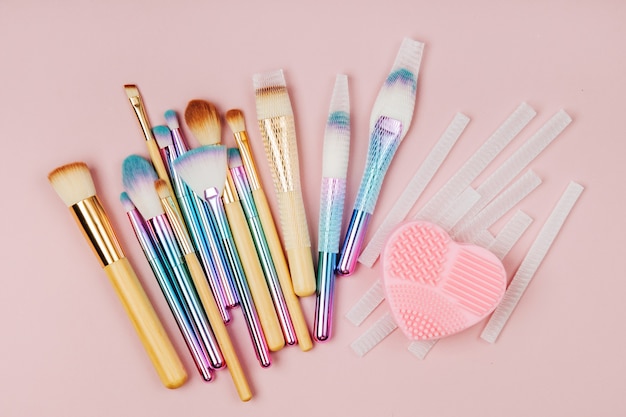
171, 291
132, 92
336, 152
204, 122
138, 177
74, 185
254, 261
204, 170
250, 314
389, 122
277, 126
236, 122
189, 206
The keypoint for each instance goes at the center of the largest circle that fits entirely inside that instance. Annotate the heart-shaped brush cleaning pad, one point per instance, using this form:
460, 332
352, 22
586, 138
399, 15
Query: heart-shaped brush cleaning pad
435, 286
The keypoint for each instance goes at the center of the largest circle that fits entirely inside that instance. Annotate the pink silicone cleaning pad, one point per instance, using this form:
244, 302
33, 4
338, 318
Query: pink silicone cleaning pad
435, 286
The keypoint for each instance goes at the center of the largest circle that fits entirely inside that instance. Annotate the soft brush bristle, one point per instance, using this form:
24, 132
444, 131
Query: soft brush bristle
72, 182
162, 189
163, 136
171, 118
203, 168
131, 90
234, 158
127, 203
138, 177
396, 98
272, 97
337, 134
235, 120
204, 122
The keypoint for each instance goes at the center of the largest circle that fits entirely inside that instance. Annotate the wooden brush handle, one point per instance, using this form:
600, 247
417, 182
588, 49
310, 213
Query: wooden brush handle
282, 270
255, 276
146, 323
218, 326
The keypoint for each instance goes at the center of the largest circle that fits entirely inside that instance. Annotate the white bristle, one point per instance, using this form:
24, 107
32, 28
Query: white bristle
138, 177
127, 202
272, 97
171, 118
234, 158
397, 100
203, 168
163, 136
235, 120
72, 182
337, 135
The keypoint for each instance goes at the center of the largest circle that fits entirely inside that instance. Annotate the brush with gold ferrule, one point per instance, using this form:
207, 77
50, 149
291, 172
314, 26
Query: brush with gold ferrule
276, 122
74, 184
236, 122
132, 91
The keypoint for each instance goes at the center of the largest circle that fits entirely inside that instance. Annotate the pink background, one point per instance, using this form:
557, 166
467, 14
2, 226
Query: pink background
67, 348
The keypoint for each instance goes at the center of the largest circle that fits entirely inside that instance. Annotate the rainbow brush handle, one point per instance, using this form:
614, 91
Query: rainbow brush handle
384, 142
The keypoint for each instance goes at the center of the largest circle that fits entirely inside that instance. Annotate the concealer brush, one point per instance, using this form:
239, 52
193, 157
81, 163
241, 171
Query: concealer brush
389, 122
236, 122
132, 92
199, 279
138, 177
169, 288
276, 122
189, 206
74, 185
204, 122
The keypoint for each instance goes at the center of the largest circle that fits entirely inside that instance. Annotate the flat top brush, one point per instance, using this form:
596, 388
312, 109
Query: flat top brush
389, 122
276, 122
74, 185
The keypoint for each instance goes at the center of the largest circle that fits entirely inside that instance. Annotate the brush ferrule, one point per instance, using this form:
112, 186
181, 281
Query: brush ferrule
98, 230
180, 231
180, 147
140, 112
353, 242
331, 214
325, 289
230, 192
242, 185
280, 146
247, 159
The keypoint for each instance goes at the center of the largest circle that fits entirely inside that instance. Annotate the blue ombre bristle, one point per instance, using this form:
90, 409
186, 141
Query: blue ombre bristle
402, 76
171, 118
338, 120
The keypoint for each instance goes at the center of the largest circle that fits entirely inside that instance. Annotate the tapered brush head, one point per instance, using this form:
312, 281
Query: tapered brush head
203, 168
203, 120
171, 118
162, 189
235, 120
138, 177
396, 98
131, 90
72, 182
234, 158
272, 97
163, 136
127, 203
337, 134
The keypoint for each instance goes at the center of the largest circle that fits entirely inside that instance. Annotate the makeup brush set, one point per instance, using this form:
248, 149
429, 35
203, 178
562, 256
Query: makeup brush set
203, 221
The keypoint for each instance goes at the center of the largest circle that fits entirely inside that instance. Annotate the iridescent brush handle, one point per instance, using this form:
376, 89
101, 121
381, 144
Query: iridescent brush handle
384, 142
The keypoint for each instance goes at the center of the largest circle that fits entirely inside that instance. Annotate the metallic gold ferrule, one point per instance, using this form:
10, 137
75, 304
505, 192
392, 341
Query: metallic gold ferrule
140, 112
247, 159
98, 230
172, 213
230, 192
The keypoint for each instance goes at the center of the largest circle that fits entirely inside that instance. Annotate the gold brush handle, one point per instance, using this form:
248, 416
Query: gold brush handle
219, 329
256, 278
146, 323
280, 263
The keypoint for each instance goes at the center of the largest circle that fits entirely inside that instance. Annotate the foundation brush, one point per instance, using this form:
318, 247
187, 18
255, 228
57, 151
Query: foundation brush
389, 122
74, 185
276, 122
172, 293
276, 260
334, 170
139, 177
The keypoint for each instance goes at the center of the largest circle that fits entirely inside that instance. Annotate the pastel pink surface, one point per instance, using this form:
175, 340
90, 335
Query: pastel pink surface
67, 347
436, 287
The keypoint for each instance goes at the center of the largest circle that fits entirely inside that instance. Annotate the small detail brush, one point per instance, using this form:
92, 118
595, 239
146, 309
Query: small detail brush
204, 170
189, 206
252, 320
171, 291
138, 177
204, 122
237, 124
389, 122
334, 171
74, 185
276, 122
132, 92
262, 277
